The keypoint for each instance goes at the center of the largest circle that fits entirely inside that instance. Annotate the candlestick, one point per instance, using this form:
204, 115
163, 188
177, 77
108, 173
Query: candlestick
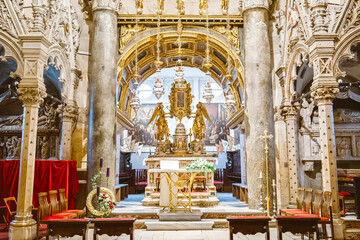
98, 191
260, 175
107, 172
101, 162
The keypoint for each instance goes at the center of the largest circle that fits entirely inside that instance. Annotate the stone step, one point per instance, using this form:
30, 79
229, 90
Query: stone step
217, 223
180, 215
178, 225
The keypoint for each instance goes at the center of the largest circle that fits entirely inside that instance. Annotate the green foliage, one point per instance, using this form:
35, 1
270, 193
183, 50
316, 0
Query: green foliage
94, 179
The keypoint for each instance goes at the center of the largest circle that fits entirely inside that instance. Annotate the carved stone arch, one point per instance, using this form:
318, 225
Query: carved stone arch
12, 50
343, 50
58, 59
299, 55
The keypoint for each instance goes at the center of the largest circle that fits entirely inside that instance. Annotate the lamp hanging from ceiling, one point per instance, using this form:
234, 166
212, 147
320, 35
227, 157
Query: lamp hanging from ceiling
207, 93
230, 103
135, 103
158, 89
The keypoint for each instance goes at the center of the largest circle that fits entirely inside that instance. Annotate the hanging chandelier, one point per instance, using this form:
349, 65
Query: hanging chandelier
207, 93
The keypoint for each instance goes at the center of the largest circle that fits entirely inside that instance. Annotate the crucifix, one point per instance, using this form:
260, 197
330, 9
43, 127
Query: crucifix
266, 138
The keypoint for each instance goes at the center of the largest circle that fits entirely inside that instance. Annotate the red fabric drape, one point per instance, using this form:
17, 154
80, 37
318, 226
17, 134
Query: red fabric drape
49, 175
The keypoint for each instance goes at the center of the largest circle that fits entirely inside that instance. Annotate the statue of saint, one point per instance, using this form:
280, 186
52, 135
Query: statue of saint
162, 130
199, 123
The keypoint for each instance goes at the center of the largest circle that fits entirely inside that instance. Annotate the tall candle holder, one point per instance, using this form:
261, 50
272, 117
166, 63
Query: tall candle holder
274, 198
261, 193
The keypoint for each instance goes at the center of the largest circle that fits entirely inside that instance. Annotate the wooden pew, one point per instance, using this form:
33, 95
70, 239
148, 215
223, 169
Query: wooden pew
121, 192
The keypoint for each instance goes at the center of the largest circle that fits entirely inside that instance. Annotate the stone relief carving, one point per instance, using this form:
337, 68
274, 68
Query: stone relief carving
346, 116
315, 147
234, 35
343, 146
256, 3
45, 148
309, 166
127, 32
48, 114
6, 23
352, 18
13, 147
88, 6
306, 112
324, 93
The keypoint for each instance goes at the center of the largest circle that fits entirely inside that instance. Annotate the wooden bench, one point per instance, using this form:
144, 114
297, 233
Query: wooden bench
66, 227
240, 191
297, 225
249, 225
121, 192
113, 226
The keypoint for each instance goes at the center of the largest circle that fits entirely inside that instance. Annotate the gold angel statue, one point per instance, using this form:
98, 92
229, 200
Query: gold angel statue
199, 123
162, 130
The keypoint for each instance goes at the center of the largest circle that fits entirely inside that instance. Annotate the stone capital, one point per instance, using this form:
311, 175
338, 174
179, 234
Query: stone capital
251, 4
324, 95
289, 111
31, 96
90, 6
70, 111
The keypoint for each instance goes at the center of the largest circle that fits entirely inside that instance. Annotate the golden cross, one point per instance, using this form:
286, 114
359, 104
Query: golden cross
266, 137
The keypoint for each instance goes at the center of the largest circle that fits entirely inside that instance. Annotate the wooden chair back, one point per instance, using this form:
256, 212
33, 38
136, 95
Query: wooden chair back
219, 175
62, 199
307, 200
326, 206
54, 203
140, 176
11, 204
300, 197
44, 206
317, 202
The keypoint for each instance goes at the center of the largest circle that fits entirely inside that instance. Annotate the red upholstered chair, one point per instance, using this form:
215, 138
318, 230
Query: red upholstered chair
249, 225
140, 180
64, 205
54, 203
298, 225
219, 179
113, 226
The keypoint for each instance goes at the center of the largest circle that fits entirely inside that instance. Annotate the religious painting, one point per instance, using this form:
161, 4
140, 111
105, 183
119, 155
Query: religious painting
180, 100
217, 130
143, 133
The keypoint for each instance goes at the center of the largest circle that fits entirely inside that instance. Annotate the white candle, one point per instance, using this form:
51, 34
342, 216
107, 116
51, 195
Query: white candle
260, 174
273, 181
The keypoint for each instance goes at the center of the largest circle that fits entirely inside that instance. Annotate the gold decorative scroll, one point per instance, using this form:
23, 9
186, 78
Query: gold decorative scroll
180, 101
161, 6
234, 35
127, 32
181, 6
203, 6
139, 6
224, 6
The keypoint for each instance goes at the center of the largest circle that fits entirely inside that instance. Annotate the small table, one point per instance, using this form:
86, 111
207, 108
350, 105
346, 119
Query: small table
66, 227
297, 224
249, 225
113, 226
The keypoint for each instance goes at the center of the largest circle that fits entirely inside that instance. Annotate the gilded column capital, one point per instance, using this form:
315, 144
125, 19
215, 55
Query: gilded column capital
251, 4
324, 94
31, 96
90, 6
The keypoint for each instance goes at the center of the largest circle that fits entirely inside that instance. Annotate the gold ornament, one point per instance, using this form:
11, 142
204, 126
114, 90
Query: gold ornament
199, 123
162, 129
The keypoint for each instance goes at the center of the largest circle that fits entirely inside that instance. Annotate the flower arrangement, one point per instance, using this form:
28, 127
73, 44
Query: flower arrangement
106, 203
200, 164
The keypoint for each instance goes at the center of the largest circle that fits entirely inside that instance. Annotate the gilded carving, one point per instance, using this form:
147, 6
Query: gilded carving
199, 123
139, 6
160, 6
127, 32
181, 6
162, 130
203, 5
224, 6
234, 35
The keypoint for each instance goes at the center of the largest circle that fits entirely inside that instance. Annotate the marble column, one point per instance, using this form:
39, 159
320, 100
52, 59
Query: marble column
324, 90
290, 113
102, 94
32, 91
282, 165
258, 100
